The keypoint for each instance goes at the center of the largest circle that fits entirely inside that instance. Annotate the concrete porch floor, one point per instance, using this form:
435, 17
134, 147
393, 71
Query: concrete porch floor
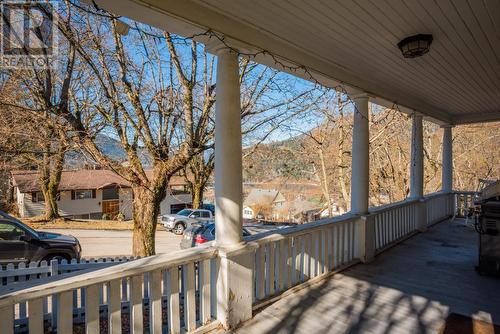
410, 288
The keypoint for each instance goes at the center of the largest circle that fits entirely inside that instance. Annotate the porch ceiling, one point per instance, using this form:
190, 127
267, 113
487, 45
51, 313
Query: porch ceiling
354, 42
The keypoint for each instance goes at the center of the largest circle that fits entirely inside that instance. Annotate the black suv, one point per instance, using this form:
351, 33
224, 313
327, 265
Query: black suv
20, 243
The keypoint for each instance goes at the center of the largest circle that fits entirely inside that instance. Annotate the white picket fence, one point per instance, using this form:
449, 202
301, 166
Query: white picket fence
21, 272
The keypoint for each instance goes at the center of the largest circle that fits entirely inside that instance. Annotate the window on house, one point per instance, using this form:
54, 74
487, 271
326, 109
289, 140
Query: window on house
179, 189
37, 196
247, 212
83, 194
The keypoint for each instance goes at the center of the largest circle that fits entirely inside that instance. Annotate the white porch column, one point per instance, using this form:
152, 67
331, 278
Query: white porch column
235, 283
447, 170
417, 158
228, 165
360, 156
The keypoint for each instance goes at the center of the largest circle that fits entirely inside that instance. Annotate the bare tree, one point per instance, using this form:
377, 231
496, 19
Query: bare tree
144, 99
268, 100
40, 95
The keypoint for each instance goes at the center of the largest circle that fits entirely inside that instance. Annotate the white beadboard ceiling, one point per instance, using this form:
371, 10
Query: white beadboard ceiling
354, 42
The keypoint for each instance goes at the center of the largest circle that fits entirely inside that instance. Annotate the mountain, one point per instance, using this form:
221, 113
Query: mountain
111, 147
276, 159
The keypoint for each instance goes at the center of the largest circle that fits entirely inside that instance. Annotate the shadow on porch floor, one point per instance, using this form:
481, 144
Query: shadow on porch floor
411, 288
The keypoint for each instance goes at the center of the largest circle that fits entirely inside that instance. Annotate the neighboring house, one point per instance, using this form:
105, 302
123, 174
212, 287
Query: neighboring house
90, 194
248, 213
302, 211
298, 211
262, 202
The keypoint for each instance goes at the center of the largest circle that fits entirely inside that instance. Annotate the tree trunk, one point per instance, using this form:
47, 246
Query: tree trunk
197, 192
50, 177
49, 191
326, 190
145, 214
146, 208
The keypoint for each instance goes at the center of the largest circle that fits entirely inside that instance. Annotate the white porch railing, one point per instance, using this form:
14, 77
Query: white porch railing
20, 273
394, 222
179, 284
295, 255
177, 292
438, 206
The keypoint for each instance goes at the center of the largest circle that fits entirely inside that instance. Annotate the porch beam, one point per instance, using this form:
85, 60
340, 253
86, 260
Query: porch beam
228, 151
417, 158
360, 155
447, 160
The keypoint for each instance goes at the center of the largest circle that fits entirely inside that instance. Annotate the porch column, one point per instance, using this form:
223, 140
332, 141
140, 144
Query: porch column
360, 156
447, 170
228, 165
417, 158
235, 284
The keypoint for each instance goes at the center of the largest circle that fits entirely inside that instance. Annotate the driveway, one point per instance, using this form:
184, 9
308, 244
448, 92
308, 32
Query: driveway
107, 243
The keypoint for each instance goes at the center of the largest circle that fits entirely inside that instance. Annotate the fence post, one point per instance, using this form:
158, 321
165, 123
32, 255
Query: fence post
54, 267
366, 238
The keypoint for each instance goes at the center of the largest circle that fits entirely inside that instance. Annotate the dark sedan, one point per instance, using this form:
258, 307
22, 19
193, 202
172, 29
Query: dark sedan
200, 233
20, 243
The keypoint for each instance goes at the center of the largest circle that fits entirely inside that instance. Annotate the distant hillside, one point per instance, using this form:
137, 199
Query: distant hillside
280, 159
110, 147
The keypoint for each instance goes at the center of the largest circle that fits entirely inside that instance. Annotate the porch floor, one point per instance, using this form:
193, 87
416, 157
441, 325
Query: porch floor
411, 288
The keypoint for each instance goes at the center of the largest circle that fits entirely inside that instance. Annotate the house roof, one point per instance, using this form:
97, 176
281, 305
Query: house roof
263, 197
28, 180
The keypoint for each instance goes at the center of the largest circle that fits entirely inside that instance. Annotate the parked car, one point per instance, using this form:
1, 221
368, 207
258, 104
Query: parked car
200, 233
209, 206
21, 243
183, 219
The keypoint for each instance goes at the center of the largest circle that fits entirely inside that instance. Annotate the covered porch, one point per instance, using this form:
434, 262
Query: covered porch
418, 286
385, 269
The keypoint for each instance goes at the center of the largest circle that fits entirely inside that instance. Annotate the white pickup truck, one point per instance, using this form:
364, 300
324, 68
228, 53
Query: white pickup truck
183, 219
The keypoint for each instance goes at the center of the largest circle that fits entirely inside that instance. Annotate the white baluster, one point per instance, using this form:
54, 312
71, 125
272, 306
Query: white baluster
92, 309
136, 324
115, 307
65, 313
174, 312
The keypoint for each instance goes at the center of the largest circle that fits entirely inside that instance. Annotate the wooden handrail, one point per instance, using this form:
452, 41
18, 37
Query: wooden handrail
394, 205
297, 230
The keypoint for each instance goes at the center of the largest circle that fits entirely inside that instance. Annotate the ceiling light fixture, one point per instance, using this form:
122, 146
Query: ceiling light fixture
415, 46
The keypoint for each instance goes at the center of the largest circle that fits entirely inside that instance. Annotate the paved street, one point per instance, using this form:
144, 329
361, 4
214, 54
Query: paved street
104, 243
